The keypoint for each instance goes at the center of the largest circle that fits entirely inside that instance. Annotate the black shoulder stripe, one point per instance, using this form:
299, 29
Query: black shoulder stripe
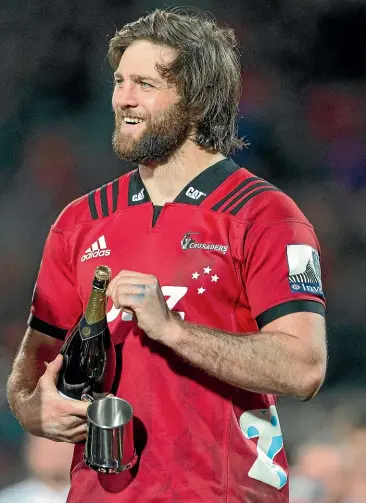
234, 191
244, 201
46, 328
104, 201
92, 205
115, 191
292, 306
245, 192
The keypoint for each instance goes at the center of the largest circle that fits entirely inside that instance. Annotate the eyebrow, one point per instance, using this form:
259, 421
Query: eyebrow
137, 78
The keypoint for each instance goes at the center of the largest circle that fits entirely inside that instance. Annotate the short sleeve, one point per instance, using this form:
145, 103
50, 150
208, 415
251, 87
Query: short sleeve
56, 305
281, 271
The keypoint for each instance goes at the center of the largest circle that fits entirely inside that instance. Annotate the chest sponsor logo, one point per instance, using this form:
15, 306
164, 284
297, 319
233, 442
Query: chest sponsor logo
138, 197
98, 249
189, 243
304, 269
194, 193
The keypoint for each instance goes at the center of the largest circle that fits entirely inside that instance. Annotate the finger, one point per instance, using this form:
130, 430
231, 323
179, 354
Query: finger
79, 438
78, 430
112, 288
133, 274
124, 276
54, 367
75, 436
129, 302
78, 434
125, 303
117, 278
132, 289
129, 296
74, 422
122, 287
77, 408
137, 286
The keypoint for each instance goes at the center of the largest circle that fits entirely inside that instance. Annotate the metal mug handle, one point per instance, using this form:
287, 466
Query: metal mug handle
90, 399
87, 397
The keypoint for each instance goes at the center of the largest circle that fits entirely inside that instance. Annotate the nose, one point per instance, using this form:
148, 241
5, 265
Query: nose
124, 96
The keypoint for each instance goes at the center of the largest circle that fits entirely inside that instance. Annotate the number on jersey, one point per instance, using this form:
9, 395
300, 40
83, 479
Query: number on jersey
173, 293
264, 425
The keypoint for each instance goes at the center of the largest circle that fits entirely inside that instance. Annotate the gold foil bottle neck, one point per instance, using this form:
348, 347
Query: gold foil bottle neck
96, 307
103, 273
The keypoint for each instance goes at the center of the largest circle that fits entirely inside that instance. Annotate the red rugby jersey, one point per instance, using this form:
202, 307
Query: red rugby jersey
231, 252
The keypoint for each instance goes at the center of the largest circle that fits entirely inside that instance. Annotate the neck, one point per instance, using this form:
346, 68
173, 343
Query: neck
165, 181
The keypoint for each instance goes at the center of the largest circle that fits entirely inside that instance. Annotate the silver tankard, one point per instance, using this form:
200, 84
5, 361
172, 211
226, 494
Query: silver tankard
109, 445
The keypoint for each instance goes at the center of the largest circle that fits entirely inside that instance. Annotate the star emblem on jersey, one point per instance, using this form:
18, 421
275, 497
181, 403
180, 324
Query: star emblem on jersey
206, 270
97, 249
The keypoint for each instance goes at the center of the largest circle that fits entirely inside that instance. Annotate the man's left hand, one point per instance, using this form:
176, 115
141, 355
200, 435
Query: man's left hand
141, 295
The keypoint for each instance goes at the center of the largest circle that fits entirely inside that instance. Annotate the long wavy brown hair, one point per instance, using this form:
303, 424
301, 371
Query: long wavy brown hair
206, 70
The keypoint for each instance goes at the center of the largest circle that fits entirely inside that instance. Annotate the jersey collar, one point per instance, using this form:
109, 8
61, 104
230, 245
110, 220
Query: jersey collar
194, 192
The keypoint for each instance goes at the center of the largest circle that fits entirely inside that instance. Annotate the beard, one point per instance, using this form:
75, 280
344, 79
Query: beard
162, 137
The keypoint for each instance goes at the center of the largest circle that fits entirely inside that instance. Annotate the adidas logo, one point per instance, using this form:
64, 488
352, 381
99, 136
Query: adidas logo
97, 249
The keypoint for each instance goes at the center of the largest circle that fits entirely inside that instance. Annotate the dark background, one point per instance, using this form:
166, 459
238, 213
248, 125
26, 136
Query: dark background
303, 109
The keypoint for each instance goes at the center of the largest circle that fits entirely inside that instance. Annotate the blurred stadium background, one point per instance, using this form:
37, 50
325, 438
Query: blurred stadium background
303, 109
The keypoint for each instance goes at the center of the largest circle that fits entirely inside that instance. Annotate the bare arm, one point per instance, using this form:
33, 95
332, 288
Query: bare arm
32, 393
29, 365
288, 357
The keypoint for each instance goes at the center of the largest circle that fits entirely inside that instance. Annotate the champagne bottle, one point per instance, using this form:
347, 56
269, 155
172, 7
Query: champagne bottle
89, 356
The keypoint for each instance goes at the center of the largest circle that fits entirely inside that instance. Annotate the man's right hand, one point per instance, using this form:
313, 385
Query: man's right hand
51, 416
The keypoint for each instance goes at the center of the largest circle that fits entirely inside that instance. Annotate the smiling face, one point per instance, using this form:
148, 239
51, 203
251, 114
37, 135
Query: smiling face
150, 121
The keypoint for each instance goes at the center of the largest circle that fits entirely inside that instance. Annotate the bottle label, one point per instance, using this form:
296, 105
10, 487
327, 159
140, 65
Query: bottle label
89, 331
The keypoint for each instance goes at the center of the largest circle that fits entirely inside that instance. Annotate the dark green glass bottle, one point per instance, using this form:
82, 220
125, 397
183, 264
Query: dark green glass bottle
89, 356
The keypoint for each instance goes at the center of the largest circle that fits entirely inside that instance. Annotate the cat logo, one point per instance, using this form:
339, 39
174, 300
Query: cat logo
194, 193
138, 197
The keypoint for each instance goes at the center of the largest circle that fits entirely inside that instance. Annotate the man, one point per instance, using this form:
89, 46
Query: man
48, 473
355, 441
321, 472
216, 303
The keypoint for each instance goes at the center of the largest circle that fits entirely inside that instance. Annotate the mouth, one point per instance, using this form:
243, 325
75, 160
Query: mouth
131, 122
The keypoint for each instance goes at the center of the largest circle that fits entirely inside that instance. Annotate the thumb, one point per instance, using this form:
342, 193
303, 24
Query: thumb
54, 367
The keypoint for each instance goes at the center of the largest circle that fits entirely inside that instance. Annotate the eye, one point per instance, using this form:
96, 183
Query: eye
117, 81
146, 85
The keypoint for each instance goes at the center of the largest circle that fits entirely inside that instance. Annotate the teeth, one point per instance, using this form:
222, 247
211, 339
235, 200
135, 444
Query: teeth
131, 120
